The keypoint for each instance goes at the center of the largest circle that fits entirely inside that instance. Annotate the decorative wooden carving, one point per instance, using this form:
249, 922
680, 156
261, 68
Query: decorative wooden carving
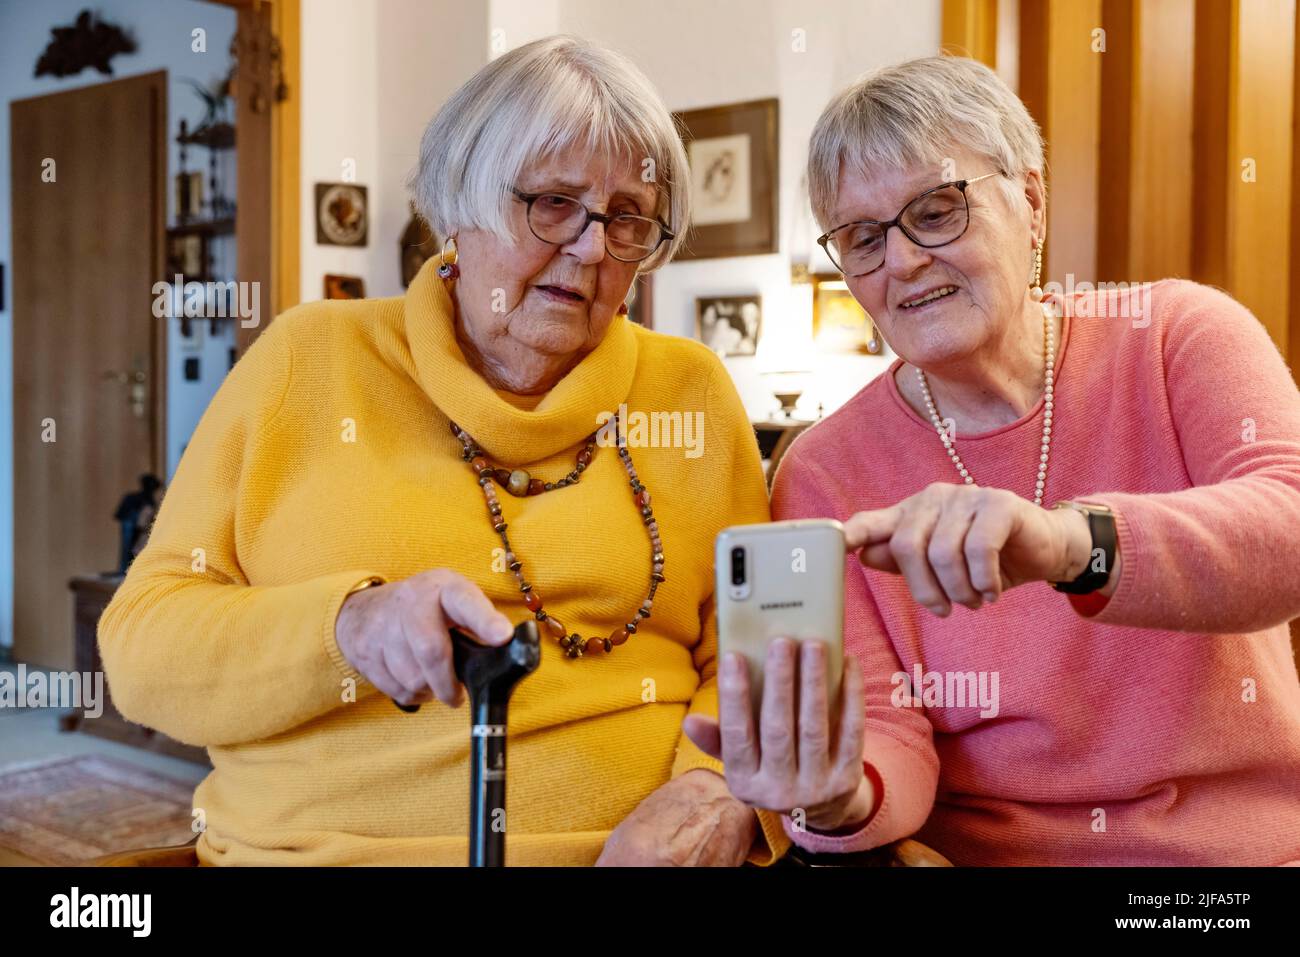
87, 42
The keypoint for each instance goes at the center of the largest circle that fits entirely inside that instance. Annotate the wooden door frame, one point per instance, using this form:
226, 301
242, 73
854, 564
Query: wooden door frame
267, 234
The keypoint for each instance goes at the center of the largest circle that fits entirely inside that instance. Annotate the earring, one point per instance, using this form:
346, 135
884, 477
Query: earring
1035, 287
448, 270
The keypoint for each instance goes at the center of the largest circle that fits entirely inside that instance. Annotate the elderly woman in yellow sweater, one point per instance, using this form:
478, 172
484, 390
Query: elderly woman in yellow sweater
346, 498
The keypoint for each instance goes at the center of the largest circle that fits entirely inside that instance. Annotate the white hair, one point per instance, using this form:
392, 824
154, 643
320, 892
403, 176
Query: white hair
916, 114
535, 101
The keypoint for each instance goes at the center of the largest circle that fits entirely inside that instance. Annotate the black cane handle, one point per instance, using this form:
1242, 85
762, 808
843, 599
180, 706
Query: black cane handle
486, 668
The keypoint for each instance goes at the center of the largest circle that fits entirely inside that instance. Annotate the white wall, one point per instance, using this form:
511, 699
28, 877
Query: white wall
162, 30
373, 74
340, 126
729, 51
406, 56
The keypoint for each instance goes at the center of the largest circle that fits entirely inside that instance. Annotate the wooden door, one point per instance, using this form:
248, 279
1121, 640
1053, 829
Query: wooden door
88, 169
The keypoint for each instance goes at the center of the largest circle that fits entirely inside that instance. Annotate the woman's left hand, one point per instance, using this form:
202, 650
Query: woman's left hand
796, 758
962, 544
692, 821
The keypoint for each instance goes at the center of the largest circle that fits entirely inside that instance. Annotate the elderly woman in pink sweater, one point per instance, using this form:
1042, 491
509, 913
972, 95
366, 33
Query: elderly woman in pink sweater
1076, 522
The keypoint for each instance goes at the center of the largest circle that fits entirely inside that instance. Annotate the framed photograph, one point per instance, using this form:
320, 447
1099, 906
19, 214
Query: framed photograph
732, 151
840, 325
189, 196
341, 218
344, 287
729, 325
187, 254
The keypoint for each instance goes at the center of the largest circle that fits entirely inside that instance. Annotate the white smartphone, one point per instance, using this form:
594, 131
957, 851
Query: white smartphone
781, 580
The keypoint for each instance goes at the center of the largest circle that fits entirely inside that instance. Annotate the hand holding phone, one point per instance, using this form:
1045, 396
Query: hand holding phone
791, 705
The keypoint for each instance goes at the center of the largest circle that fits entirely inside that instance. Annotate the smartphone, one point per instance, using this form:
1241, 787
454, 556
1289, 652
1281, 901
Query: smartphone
781, 580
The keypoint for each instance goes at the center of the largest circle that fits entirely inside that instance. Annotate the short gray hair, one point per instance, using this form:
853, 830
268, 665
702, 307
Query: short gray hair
532, 102
914, 114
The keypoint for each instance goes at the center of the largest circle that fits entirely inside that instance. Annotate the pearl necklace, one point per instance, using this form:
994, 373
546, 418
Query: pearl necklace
1049, 368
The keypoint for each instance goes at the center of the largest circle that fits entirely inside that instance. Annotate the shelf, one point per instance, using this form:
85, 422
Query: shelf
218, 136
204, 227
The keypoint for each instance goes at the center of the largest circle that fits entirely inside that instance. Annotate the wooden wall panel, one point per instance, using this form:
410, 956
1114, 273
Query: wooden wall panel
1144, 212
969, 28
1292, 352
1060, 82
1260, 111
1216, 30
1160, 221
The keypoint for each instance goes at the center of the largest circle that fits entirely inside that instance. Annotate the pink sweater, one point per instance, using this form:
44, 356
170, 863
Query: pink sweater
1165, 730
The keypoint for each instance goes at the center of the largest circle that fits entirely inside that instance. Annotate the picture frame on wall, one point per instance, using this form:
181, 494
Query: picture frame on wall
732, 151
344, 287
840, 325
341, 214
729, 325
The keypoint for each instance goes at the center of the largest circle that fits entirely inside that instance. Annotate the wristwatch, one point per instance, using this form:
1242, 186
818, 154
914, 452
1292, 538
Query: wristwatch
1101, 554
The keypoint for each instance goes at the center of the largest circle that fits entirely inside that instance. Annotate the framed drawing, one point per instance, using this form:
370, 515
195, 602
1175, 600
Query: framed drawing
840, 325
340, 214
732, 151
729, 325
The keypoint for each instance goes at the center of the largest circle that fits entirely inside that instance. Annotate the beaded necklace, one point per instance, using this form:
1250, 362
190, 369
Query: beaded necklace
519, 483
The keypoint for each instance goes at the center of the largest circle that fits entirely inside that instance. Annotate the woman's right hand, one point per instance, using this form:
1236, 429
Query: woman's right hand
397, 637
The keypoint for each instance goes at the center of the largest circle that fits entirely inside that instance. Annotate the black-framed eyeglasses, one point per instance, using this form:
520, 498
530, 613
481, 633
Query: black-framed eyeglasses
559, 219
936, 217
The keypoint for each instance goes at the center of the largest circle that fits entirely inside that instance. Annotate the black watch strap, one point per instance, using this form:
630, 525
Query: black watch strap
1101, 558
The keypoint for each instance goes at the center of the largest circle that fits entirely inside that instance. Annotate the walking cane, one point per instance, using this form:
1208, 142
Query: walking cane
490, 673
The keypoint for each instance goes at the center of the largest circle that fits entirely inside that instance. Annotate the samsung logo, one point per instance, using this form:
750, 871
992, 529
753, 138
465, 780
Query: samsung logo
768, 606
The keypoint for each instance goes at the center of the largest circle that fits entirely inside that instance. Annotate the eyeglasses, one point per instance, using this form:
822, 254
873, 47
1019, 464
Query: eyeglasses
934, 218
560, 220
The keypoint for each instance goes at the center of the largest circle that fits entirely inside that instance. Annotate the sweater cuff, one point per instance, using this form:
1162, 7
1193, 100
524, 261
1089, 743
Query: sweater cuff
349, 584
892, 765
771, 844
774, 841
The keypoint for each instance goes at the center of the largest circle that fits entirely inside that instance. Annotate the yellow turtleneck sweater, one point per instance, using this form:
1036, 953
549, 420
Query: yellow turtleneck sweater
326, 458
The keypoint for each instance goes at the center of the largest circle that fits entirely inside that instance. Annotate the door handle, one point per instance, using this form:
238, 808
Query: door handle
137, 391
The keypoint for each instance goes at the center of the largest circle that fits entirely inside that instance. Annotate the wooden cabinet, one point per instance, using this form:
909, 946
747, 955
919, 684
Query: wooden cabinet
774, 437
91, 595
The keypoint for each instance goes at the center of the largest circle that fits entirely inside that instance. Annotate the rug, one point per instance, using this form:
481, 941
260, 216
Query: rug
66, 811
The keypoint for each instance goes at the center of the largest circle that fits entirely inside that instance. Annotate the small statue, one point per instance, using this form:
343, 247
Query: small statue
135, 513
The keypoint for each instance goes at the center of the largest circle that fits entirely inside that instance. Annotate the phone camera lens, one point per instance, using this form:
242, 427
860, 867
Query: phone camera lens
737, 566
